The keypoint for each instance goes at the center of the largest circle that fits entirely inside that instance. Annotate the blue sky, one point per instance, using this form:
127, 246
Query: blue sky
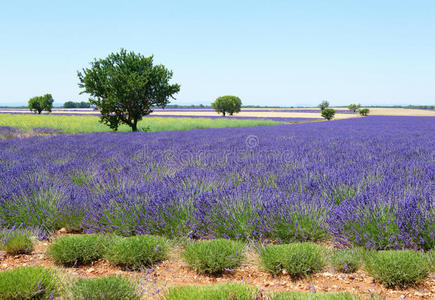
287, 53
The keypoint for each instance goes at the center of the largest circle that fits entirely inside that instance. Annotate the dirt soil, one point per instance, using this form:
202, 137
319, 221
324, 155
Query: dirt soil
174, 272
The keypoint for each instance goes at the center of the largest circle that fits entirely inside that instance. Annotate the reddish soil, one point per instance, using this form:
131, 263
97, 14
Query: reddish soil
174, 272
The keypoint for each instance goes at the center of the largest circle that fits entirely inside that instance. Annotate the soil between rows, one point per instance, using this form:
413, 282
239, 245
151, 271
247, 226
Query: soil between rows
175, 272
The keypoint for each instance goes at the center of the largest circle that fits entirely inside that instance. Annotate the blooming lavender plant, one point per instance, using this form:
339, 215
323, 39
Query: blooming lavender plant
366, 182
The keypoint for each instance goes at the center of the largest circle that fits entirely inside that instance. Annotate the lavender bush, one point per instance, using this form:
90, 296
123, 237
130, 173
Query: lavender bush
367, 182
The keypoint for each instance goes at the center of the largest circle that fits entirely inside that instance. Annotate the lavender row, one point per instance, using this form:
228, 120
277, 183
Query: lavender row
366, 182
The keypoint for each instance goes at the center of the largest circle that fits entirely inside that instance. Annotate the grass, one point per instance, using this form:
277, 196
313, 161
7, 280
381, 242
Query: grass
81, 249
107, 288
345, 260
233, 291
76, 124
215, 256
397, 268
16, 242
431, 259
137, 252
297, 259
29, 283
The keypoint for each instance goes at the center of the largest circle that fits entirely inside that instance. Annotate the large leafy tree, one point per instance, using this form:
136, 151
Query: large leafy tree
227, 104
40, 103
126, 86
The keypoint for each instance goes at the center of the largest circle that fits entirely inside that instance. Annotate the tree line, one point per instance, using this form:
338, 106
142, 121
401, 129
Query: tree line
126, 86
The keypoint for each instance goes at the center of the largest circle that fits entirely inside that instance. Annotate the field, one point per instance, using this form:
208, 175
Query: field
361, 183
89, 123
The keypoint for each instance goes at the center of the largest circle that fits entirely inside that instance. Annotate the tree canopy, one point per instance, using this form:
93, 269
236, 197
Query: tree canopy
354, 107
72, 104
328, 113
40, 103
364, 112
227, 104
324, 104
126, 86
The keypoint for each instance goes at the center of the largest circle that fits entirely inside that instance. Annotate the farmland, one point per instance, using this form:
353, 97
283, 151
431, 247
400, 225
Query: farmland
89, 123
344, 183
341, 180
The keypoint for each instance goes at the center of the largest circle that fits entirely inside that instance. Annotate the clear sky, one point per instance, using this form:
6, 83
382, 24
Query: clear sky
285, 53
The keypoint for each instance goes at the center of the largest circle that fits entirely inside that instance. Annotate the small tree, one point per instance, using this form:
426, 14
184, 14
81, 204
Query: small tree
364, 112
126, 86
354, 107
328, 113
227, 104
40, 103
323, 105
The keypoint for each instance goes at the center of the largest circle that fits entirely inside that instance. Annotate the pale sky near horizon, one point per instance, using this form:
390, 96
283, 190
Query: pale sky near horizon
284, 53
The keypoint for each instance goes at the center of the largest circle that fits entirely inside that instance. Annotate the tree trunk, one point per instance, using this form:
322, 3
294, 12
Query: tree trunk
223, 113
134, 126
39, 112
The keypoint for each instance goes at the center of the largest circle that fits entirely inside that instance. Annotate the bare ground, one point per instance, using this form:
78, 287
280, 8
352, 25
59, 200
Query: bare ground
175, 272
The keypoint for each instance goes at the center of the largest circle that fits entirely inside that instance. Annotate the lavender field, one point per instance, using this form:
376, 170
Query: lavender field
364, 182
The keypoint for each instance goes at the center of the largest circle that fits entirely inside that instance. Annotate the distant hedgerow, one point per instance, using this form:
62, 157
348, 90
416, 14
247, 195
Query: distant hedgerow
29, 283
105, 288
297, 259
214, 256
137, 251
81, 249
397, 268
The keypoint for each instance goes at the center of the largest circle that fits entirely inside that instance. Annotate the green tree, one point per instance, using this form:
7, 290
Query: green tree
354, 107
41, 103
84, 104
126, 86
328, 113
324, 104
227, 104
364, 112
69, 104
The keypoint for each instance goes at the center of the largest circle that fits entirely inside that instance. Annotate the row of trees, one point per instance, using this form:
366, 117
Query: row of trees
329, 113
126, 86
72, 104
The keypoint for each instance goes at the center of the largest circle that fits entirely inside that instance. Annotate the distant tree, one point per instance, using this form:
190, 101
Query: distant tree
227, 104
72, 104
84, 104
354, 107
126, 86
364, 112
69, 104
323, 105
41, 103
328, 113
